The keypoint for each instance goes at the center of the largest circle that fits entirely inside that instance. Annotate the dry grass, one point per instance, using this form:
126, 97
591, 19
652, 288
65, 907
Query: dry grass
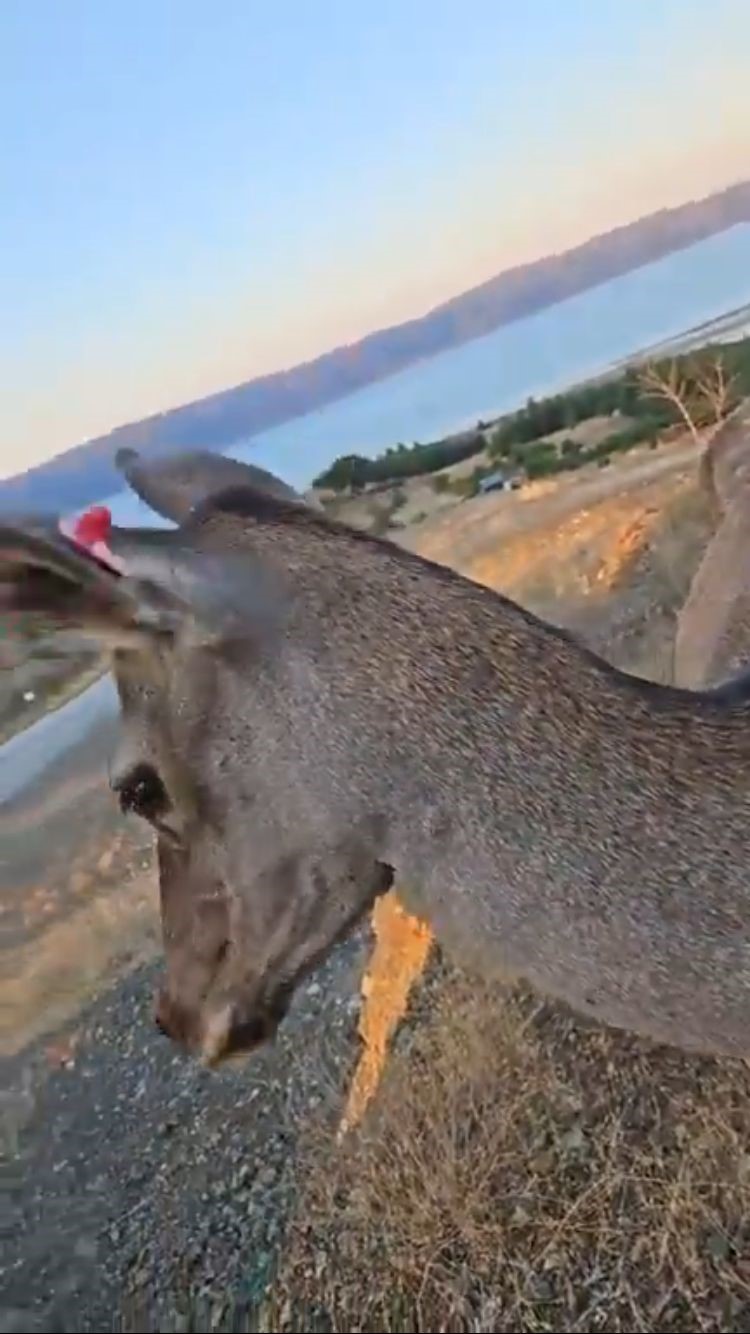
521, 1171
591, 431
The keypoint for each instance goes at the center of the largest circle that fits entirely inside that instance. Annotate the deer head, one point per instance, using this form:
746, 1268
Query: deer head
253, 889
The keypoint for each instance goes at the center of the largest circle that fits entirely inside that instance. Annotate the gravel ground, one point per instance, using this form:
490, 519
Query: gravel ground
141, 1184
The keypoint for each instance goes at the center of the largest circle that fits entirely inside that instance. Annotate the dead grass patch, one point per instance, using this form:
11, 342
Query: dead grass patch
521, 1171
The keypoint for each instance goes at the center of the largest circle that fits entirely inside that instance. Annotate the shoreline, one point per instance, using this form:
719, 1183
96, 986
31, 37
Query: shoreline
692, 339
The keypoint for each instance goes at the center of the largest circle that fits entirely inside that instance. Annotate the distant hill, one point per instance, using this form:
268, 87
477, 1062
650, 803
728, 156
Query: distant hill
86, 472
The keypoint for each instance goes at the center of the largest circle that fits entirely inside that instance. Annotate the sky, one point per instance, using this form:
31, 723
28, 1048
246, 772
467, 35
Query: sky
195, 193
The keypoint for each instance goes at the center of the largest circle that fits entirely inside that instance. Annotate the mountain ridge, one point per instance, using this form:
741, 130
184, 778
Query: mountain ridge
86, 471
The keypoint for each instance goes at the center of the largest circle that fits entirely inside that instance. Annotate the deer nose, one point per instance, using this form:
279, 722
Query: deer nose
172, 1019
160, 1023
161, 1014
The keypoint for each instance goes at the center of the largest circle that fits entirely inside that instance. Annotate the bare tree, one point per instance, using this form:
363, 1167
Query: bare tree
673, 384
717, 387
702, 392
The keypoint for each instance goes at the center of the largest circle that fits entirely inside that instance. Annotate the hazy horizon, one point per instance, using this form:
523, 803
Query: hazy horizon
196, 200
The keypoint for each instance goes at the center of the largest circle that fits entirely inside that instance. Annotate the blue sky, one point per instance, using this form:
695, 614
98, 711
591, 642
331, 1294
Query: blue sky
193, 193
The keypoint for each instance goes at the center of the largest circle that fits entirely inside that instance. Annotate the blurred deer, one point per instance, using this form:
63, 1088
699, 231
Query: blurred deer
713, 632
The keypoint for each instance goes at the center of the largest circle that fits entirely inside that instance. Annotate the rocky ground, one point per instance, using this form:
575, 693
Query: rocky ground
141, 1186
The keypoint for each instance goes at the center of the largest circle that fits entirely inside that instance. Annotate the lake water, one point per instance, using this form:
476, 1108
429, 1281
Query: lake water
568, 342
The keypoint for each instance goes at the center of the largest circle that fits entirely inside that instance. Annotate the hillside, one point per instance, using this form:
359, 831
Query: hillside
86, 472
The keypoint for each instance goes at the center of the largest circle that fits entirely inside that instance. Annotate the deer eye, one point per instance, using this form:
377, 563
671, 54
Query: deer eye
142, 792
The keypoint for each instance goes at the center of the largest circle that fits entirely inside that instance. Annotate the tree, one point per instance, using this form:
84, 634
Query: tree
718, 387
348, 472
701, 390
571, 449
671, 383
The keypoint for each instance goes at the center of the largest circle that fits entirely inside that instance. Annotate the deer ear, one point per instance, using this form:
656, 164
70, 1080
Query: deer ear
141, 582
47, 574
174, 486
218, 596
43, 573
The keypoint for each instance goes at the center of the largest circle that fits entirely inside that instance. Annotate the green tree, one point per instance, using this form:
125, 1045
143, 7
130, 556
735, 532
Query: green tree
346, 473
